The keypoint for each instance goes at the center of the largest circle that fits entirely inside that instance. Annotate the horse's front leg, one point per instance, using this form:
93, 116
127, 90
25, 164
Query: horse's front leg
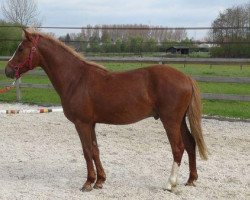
85, 133
101, 176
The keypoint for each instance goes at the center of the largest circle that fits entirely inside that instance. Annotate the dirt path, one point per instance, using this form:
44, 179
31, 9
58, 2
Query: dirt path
41, 158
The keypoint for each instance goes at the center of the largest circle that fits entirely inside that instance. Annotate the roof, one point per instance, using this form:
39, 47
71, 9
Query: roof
178, 47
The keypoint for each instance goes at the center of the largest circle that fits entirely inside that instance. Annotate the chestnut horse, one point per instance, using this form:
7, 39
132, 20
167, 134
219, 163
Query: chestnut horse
91, 94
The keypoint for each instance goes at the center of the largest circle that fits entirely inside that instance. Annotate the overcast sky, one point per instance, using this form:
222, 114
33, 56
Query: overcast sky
171, 13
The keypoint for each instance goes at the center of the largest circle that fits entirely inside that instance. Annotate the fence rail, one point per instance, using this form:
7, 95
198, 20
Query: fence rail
197, 78
164, 60
161, 60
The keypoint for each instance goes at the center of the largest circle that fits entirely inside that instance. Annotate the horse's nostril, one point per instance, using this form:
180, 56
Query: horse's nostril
9, 72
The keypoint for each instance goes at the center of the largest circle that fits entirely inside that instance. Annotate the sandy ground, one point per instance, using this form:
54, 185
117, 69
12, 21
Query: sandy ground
41, 158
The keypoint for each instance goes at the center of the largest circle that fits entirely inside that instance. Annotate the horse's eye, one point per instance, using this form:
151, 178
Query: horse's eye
20, 49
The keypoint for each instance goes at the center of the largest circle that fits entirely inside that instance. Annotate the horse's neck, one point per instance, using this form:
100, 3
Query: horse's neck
62, 68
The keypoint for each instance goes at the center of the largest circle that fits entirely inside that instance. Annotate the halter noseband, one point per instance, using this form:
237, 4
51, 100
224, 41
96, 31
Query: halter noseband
29, 60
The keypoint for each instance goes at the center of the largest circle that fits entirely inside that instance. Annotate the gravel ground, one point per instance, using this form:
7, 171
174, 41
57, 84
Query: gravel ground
41, 158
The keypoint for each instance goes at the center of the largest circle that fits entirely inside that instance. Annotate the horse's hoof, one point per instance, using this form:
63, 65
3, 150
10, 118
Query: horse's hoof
172, 183
190, 184
98, 186
169, 187
86, 188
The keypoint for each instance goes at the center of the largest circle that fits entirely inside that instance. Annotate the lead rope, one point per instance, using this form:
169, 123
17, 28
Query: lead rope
7, 88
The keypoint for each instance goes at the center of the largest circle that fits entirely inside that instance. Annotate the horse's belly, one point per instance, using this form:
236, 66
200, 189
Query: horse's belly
125, 115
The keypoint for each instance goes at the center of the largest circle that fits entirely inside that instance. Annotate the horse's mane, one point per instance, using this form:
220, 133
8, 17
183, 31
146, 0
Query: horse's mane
66, 47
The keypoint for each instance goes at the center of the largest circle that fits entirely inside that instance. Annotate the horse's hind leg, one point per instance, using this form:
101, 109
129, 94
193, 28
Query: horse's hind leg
189, 144
173, 129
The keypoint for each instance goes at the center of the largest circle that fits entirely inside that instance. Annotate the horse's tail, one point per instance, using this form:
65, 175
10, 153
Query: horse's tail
194, 115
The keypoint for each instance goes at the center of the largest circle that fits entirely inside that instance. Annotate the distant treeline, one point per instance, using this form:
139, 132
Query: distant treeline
234, 42
125, 38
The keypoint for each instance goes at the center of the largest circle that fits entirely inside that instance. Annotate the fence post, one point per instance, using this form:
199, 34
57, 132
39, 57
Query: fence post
18, 90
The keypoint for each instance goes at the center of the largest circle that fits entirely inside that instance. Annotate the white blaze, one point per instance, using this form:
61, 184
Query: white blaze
14, 53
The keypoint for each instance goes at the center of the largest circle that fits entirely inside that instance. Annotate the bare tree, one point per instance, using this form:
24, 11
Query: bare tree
237, 16
23, 12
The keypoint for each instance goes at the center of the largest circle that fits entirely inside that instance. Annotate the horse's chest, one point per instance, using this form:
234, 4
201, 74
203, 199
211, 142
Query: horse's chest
76, 109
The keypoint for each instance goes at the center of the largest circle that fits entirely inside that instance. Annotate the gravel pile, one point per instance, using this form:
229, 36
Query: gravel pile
41, 158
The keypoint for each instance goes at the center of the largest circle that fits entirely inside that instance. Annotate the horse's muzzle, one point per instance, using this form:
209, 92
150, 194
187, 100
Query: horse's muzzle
9, 72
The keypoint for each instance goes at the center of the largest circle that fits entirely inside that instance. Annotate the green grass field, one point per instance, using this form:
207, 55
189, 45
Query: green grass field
191, 69
210, 107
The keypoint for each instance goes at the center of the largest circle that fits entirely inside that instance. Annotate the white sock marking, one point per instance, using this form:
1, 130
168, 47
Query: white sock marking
172, 181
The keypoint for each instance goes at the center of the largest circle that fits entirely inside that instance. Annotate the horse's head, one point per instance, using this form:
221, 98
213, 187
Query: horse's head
25, 58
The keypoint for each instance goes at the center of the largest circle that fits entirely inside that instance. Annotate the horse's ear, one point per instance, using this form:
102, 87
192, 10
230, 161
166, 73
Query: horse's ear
27, 35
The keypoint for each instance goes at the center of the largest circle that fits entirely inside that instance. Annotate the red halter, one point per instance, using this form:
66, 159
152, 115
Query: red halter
29, 60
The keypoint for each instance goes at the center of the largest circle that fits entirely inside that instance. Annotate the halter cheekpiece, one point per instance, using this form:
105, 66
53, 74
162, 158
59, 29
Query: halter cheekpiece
29, 60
